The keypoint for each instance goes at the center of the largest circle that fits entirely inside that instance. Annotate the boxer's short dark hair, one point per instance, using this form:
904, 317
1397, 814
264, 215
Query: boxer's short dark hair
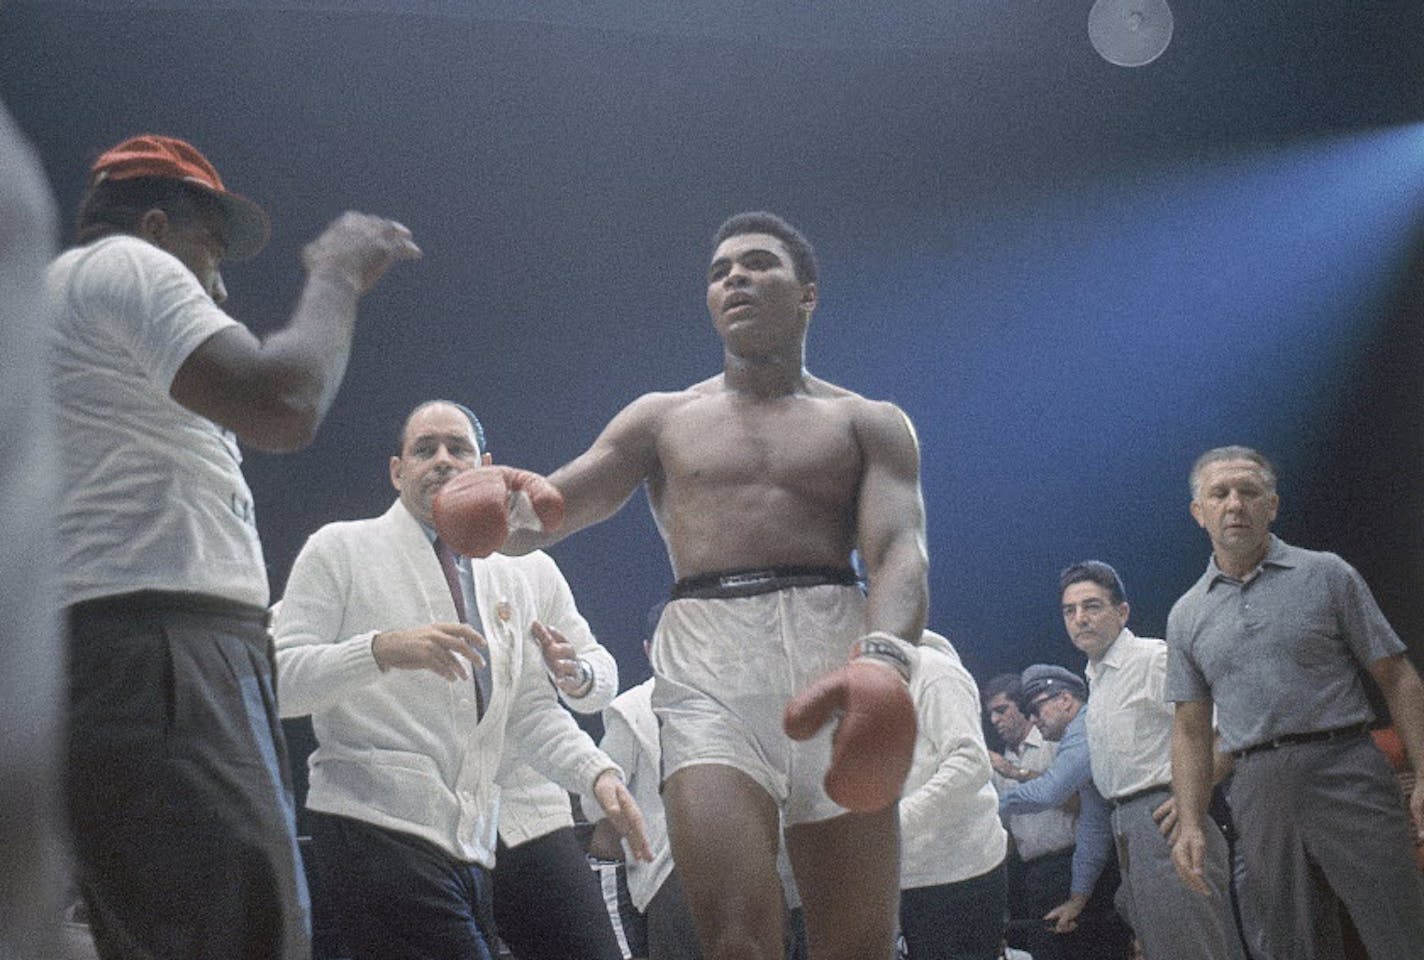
803, 257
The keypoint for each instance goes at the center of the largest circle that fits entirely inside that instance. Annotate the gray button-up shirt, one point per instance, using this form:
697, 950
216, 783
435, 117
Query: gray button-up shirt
1281, 651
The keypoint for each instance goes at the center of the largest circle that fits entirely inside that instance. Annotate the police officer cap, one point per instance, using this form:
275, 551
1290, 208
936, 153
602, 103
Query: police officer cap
1041, 678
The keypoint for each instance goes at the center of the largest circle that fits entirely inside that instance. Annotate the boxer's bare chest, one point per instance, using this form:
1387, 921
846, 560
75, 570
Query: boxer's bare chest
758, 482
798, 444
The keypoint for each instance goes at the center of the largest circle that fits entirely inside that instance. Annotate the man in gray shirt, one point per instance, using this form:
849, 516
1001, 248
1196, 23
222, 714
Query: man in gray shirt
1273, 637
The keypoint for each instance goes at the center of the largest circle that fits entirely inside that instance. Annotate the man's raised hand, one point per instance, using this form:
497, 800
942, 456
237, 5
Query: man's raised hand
359, 248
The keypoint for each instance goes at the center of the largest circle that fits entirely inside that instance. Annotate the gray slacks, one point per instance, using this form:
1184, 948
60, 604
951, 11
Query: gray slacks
1320, 824
1174, 923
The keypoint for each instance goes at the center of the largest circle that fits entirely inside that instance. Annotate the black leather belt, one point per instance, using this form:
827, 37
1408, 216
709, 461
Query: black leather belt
1315, 736
749, 583
1139, 794
158, 601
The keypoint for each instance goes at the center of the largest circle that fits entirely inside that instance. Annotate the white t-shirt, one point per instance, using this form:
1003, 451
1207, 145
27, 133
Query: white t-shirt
151, 494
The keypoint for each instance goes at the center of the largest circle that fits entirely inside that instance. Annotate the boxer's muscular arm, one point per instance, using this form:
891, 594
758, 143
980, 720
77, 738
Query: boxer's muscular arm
598, 482
891, 522
274, 393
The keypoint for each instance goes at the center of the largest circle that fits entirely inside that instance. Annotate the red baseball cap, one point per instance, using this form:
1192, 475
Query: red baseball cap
151, 155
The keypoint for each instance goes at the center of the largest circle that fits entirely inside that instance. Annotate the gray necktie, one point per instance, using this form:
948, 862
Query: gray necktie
481, 675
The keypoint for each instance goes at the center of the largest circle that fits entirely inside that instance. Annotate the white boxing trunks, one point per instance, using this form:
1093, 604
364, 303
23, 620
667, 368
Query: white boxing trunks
725, 670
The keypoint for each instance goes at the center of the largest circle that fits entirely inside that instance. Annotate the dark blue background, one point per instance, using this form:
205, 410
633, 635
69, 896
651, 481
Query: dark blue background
1073, 276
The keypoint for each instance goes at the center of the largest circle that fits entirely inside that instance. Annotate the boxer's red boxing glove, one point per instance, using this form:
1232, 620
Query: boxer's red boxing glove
874, 742
475, 508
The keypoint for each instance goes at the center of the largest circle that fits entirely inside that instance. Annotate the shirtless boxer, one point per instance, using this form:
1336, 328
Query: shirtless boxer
762, 481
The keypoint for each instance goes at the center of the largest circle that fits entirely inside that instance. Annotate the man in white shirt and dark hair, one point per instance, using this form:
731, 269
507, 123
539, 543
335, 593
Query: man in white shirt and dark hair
178, 790
422, 672
1130, 744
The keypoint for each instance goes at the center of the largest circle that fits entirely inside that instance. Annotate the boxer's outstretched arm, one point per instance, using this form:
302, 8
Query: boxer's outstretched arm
891, 522
597, 483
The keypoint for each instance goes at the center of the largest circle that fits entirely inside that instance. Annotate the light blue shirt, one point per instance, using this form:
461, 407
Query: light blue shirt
1071, 772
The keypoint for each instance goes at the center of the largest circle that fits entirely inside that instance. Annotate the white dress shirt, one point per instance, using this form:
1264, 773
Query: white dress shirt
1129, 722
1045, 832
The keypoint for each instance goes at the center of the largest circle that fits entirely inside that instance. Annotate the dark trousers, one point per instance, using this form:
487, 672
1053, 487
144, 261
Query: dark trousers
1321, 824
547, 901
1047, 882
955, 921
670, 932
177, 782
399, 897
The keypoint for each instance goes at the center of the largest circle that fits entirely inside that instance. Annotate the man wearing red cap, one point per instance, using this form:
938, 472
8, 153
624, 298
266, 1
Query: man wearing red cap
178, 790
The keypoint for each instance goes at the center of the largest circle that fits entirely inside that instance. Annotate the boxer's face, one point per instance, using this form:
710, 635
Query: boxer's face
1092, 620
753, 295
439, 443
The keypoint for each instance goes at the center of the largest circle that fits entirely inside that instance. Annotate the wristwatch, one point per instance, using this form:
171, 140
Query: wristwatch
585, 679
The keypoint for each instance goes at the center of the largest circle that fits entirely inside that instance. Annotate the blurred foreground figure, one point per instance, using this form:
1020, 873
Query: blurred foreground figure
177, 781
30, 681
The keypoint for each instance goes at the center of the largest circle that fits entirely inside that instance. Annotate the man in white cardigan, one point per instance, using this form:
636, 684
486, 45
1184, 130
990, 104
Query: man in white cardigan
421, 674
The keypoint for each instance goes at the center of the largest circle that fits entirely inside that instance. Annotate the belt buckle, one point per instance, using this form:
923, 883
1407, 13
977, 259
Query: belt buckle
748, 579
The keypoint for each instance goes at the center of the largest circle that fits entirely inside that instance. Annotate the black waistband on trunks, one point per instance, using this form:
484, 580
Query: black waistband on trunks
748, 583
146, 601
1315, 736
